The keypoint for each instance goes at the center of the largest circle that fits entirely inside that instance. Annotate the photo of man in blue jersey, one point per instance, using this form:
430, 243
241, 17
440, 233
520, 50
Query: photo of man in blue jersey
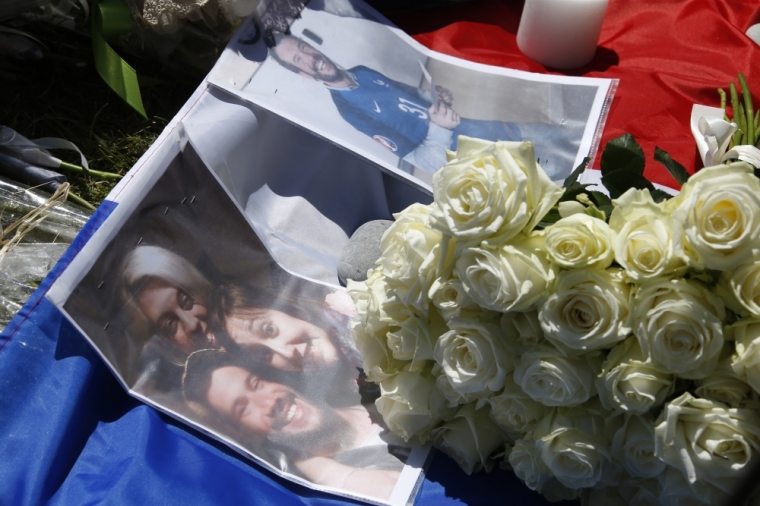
404, 119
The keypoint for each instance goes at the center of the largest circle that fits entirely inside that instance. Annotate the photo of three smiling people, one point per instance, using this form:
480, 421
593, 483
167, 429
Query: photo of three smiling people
280, 377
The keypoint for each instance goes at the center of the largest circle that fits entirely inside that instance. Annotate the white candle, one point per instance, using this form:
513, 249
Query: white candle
561, 33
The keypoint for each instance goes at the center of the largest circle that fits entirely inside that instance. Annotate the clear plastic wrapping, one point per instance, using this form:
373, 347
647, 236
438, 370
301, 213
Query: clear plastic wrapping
23, 266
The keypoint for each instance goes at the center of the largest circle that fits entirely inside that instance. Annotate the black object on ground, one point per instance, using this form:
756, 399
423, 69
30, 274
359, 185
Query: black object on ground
32, 175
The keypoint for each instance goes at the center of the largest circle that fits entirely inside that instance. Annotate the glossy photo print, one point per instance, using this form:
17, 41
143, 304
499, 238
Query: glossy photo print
344, 72
190, 311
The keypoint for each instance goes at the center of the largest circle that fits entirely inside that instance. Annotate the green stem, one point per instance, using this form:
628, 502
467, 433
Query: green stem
742, 124
735, 106
722, 94
90, 172
79, 200
748, 110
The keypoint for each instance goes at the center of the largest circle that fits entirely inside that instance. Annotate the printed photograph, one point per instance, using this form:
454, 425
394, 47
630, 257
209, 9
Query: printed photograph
192, 314
345, 73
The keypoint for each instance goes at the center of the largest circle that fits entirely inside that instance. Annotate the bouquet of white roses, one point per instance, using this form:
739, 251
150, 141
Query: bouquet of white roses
602, 349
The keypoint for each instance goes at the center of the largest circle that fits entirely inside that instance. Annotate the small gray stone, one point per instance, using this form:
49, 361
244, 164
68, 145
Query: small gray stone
362, 251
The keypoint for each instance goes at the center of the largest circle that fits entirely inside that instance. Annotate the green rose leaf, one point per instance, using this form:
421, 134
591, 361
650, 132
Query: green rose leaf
601, 199
572, 192
549, 219
607, 210
573, 177
659, 195
620, 181
623, 154
676, 170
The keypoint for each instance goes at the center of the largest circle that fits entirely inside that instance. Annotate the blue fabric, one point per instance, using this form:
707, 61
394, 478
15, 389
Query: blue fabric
70, 435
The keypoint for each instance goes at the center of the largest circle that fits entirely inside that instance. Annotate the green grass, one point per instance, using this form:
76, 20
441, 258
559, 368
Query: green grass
56, 97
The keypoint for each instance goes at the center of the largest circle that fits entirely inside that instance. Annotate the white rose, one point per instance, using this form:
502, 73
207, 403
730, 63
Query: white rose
377, 359
527, 464
415, 336
514, 277
580, 241
514, 411
470, 438
376, 303
679, 324
411, 405
491, 190
746, 361
724, 385
649, 242
473, 356
743, 287
360, 295
522, 329
451, 300
553, 380
574, 448
454, 398
410, 256
678, 491
370, 333
630, 383
719, 209
633, 447
707, 441
588, 311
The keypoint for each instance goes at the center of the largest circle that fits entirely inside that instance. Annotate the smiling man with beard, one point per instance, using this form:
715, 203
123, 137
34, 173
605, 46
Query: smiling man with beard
402, 118
340, 448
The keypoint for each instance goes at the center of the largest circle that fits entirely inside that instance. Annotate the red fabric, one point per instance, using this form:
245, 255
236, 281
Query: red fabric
667, 54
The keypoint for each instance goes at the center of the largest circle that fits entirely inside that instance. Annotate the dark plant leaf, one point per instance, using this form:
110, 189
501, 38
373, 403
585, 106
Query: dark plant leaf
623, 154
543, 224
573, 191
573, 177
601, 199
549, 218
659, 195
676, 170
607, 210
620, 181
708, 276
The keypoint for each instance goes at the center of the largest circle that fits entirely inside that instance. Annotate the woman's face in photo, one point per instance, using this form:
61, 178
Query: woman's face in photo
282, 341
176, 315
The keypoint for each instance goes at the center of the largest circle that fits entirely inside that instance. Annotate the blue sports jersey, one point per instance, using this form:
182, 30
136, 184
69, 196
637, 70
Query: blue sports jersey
396, 114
